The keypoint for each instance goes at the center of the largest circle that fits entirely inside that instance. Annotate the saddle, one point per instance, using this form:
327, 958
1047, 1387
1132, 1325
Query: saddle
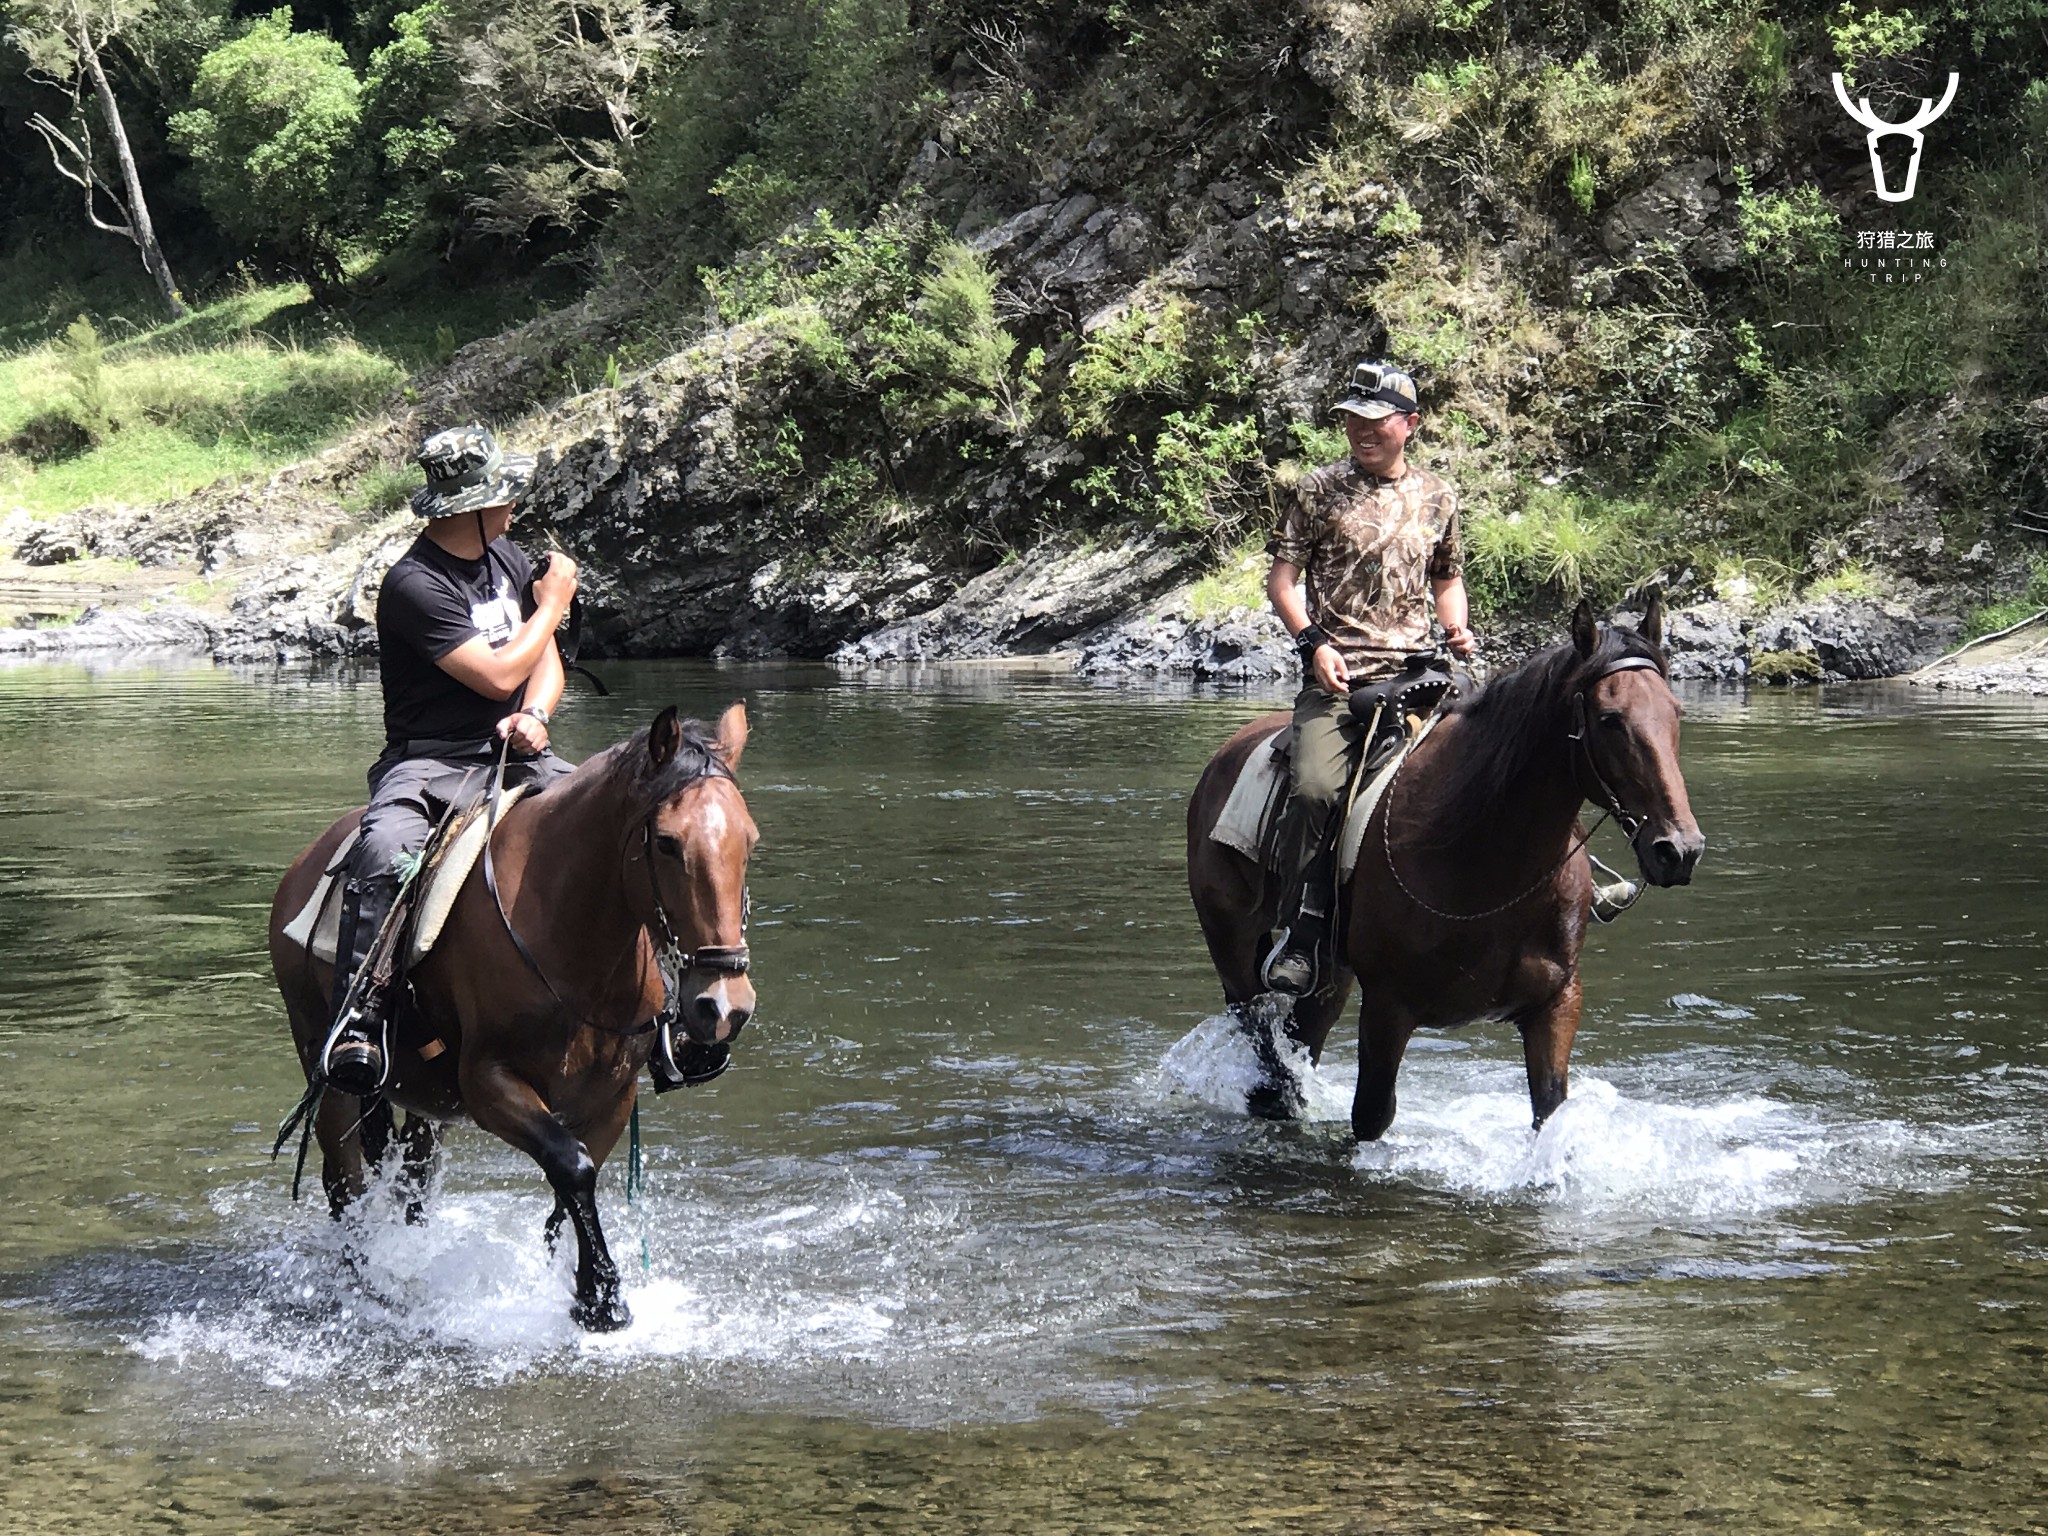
1422, 687
1398, 712
445, 863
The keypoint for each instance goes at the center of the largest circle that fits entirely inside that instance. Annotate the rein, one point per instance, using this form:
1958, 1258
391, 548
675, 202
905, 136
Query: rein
1608, 801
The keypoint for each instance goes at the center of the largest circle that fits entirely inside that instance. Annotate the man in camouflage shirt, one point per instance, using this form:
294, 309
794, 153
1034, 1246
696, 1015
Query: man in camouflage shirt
1377, 539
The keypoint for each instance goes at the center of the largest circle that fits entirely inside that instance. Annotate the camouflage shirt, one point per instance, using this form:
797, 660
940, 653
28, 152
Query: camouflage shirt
1370, 547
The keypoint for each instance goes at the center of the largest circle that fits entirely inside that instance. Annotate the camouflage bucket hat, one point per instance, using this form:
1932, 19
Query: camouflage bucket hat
466, 470
1378, 389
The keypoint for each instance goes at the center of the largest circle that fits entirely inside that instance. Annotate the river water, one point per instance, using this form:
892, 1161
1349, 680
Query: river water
976, 1237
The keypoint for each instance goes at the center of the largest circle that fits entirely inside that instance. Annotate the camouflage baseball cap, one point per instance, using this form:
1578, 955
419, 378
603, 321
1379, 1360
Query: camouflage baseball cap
467, 470
1378, 389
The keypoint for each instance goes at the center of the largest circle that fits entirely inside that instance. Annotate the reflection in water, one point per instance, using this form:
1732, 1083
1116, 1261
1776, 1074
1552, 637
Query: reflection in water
976, 1235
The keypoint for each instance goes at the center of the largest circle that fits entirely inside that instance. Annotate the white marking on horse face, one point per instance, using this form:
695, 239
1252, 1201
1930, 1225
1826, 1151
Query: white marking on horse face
712, 818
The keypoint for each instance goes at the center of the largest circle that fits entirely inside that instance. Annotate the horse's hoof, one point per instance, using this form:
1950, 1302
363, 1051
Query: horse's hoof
607, 1315
1274, 1101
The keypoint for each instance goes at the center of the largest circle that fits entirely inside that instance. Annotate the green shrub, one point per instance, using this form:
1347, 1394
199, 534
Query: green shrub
947, 359
1765, 60
1579, 181
1784, 229
1199, 469
87, 399
1143, 351
1400, 222
1876, 34
272, 133
1557, 546
1784, 667
1992, 617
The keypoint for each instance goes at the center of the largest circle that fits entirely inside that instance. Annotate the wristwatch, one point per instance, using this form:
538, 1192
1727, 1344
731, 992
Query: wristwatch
536, 711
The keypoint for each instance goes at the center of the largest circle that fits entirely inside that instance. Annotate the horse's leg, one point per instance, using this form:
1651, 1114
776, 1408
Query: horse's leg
1317, 1014
1547, 1034
420, 1141
341, 1150
507, 1107
1382, 1041
1233, 938
375, 1127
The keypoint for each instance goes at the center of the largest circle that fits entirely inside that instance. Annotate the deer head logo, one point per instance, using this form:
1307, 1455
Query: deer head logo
1911, 129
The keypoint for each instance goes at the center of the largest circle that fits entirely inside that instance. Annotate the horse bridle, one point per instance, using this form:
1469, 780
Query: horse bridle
1582, 718
726, 959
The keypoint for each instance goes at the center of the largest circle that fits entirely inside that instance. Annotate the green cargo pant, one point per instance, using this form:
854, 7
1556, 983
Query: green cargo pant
1327, 741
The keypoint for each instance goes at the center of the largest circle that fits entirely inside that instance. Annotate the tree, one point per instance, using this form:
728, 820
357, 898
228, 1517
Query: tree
555, 70
272, 133
64, 42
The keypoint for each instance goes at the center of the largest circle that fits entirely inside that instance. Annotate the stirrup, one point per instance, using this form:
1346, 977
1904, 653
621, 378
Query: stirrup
354, 1061
356, 1066
1287, 984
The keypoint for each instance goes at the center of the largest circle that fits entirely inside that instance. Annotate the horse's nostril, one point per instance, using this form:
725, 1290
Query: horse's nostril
739, 1017
707, 1008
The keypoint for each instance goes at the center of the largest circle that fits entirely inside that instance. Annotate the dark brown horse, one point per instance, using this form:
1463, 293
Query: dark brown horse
644, 845
1472, 889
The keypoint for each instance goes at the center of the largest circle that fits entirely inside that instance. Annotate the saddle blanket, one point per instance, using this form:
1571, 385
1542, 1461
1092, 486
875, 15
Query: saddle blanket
1260, 793
448, 864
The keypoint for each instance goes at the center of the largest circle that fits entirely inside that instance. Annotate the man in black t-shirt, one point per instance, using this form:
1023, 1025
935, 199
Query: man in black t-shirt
466, 644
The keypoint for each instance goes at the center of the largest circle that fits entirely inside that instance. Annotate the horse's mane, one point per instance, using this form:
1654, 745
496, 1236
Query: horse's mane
650, 788
1518, 717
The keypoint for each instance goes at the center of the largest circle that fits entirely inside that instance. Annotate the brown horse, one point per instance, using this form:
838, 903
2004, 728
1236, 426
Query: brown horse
1472, 889
530, 1015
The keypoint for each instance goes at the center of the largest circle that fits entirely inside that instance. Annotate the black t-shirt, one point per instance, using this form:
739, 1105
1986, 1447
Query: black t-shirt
432, 602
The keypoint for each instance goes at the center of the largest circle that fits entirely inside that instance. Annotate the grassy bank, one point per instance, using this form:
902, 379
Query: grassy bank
100, 404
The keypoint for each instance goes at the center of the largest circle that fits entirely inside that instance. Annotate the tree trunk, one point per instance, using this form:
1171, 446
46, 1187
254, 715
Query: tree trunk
144, 233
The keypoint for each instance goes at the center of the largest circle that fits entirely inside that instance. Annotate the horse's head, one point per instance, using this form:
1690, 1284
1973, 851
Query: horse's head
698, 838
1625, 727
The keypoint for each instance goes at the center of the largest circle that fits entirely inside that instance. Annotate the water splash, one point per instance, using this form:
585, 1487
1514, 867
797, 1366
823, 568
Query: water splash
1218, 1063
1464, 1128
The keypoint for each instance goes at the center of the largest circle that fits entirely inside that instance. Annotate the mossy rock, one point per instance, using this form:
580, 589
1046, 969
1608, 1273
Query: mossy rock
1784, 668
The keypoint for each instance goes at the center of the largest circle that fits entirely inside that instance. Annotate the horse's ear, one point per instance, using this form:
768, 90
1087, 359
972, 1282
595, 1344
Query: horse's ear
732, 733
663, 738
1652, 627
1585, 633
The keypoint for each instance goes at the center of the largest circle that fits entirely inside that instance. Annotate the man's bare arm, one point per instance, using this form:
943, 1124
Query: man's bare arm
1454, 612
499, 673
1327, 665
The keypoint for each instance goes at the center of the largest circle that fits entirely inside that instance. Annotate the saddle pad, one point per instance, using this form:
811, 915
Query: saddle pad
1251, 797
1368, 799
1263, 777
319, 919
449, 867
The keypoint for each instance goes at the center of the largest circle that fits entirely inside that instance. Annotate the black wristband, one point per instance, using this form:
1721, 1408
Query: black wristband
1313, 637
